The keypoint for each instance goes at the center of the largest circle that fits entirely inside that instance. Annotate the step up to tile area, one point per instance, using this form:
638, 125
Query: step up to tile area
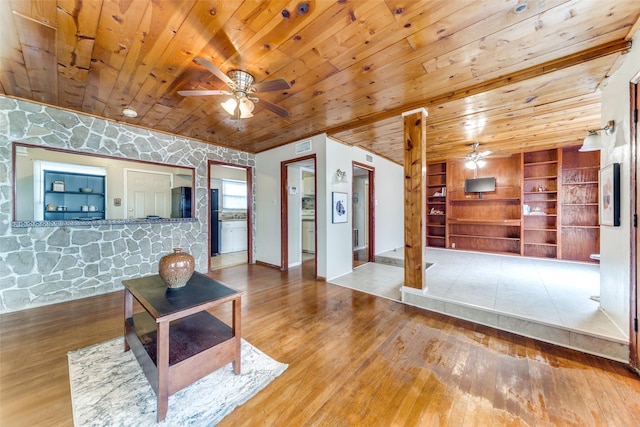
607, 347
615, 347
389, 259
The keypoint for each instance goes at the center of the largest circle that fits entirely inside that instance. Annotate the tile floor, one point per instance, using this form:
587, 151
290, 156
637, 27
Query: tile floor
549, 291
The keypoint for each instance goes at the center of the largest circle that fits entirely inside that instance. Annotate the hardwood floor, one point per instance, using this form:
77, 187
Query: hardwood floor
354, 359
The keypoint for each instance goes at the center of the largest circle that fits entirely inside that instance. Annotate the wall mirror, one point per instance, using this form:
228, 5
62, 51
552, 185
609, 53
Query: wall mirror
60, 185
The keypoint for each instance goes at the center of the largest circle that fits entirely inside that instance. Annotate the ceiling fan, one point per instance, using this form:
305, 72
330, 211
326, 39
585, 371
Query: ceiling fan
240, 103
475, 159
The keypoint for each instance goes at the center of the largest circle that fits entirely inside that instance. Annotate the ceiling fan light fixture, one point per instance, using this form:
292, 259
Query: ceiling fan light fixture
481, 163
470, 164
230, 106
246, 108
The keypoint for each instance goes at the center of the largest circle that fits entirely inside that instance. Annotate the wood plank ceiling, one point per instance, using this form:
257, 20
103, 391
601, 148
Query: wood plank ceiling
514, 75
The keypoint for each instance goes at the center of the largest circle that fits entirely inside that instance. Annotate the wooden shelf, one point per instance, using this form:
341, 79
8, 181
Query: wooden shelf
478, 221
530, 178
471, 236
487, 199
541, 244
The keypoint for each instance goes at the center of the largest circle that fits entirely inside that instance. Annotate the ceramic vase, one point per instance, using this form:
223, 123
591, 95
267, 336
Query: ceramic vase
176, 268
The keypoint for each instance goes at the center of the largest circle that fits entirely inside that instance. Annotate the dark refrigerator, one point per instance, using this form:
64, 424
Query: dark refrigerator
181, 202
215, 223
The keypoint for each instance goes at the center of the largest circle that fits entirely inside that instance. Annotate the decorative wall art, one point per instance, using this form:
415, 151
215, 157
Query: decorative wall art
339, 207
609, 195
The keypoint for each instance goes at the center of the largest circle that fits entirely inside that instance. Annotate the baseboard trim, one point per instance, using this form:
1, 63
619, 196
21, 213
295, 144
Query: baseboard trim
266, 264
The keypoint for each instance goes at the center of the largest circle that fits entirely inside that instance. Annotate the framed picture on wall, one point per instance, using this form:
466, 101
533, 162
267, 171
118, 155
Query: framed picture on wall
609, 195
338, 207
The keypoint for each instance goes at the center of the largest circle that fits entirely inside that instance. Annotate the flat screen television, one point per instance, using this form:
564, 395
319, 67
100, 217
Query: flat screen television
480, 185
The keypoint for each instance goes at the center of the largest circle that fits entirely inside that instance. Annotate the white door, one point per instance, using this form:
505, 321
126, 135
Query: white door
148, 193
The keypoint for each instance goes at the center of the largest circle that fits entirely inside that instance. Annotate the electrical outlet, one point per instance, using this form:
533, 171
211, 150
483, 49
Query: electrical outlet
453, 246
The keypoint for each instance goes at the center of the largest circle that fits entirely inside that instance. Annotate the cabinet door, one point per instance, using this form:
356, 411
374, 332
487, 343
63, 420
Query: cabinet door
308, 236
226, 240
239, 239
312, 238
305, 236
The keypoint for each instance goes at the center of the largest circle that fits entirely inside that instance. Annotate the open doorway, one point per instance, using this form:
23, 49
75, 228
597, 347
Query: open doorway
229, 215
299, 223
363, 214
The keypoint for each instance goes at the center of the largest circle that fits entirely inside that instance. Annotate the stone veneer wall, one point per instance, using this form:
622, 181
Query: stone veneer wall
46, 265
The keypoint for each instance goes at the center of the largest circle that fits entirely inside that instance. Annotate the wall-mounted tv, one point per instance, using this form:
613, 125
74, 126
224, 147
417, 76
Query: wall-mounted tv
480, 185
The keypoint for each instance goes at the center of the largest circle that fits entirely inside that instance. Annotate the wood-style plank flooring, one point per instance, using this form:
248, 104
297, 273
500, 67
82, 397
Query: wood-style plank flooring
354, 359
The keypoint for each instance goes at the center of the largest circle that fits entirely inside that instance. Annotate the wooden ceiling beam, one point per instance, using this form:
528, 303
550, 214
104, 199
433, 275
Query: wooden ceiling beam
620, 46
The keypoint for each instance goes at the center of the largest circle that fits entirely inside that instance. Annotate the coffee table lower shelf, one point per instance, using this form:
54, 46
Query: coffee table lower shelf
198, 345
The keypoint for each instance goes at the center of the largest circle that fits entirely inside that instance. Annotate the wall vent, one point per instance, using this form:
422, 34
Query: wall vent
369, 158
303, 147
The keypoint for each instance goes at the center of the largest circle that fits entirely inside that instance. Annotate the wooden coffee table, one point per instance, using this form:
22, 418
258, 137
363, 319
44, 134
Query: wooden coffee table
176, 341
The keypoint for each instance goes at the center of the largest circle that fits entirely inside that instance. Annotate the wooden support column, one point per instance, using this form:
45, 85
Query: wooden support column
415, 197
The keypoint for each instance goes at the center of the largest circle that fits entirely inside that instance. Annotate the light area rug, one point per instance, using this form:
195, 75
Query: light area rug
108, 388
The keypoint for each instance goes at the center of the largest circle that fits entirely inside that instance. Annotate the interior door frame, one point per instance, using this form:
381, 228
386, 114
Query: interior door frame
249, 174
284, 211
371, 220
634, 298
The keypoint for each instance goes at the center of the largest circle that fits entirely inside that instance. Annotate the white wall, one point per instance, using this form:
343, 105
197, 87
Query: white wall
389, 201
334, 256
339, 243
267, 191
614, 241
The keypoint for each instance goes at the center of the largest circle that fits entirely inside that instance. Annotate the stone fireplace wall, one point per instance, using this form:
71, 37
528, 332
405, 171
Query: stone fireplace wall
46, 265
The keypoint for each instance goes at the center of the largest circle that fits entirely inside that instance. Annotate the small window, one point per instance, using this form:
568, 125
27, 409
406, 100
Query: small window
234, 194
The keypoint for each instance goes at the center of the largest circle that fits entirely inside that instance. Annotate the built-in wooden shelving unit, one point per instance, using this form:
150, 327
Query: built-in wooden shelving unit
580, 228
491, 222
545, 205
436, 204
540, 203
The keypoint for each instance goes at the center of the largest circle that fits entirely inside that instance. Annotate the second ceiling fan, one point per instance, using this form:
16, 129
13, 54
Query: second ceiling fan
241, 91
475, 158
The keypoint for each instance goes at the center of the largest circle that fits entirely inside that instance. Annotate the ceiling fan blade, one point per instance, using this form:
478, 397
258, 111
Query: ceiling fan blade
484, 153
275, 108
214, 70
203, 92
271, 85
